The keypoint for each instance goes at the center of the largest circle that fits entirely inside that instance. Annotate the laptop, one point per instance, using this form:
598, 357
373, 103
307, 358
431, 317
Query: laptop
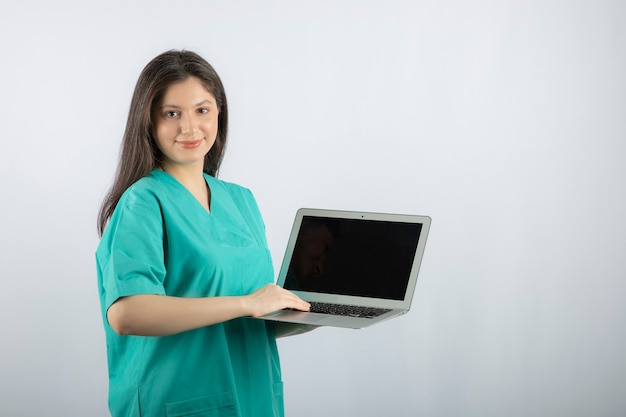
355, 268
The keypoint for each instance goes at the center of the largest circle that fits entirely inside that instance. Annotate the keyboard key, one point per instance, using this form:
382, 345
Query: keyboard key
347, 310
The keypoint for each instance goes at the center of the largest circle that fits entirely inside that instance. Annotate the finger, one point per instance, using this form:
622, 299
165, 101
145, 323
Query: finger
301, 305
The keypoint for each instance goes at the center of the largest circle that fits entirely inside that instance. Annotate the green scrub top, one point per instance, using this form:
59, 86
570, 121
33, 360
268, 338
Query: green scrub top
160, 240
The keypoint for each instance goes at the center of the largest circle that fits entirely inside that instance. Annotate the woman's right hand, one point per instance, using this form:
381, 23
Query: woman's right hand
272, 298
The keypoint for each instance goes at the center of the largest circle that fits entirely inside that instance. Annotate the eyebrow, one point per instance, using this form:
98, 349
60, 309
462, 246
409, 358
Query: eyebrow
195, 105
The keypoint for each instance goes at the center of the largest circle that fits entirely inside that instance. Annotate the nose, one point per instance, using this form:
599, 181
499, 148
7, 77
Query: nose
187, 124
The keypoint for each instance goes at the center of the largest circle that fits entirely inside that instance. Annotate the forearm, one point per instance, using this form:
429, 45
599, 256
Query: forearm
158, 315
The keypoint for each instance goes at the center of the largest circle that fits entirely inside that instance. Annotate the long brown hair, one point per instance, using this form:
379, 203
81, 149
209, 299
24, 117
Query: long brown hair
139, 154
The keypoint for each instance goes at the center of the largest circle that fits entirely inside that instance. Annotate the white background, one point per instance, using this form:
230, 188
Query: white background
505, 121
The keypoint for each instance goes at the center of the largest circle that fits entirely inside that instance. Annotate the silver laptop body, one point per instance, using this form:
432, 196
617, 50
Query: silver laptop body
367, 262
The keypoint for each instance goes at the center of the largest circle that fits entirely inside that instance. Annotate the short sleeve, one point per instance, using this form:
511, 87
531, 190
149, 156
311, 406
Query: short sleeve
130, 256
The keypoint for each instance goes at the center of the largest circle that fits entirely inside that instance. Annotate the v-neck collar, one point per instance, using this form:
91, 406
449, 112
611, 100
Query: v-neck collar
224, 208
207, 179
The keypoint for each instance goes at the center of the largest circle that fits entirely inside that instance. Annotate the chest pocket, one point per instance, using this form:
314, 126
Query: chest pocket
249, 211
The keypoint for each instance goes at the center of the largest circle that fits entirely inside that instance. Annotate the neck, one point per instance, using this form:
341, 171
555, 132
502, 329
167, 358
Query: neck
190, 175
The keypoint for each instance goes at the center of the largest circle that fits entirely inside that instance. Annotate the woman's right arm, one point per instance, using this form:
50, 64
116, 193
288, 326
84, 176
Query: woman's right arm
161, 315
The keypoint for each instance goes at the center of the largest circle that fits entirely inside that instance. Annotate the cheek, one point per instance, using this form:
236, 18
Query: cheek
163, 133
212, 124
160, 139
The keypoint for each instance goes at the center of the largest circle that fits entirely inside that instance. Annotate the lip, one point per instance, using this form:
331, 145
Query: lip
189, 144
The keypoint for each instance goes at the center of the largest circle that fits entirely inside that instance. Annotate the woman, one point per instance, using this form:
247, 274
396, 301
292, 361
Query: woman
183, 260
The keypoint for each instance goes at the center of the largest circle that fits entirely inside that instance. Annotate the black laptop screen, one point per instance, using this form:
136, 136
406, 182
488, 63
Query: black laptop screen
366, 258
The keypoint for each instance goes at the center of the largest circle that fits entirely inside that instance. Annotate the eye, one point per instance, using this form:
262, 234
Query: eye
171, 114
203, 110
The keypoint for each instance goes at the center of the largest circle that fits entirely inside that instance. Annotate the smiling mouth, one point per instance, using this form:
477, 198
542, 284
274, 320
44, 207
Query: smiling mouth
190, 144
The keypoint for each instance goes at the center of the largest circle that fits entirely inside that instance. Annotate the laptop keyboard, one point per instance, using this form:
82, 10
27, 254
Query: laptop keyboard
347, 310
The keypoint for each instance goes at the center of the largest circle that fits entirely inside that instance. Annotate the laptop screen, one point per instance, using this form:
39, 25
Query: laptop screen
355, 257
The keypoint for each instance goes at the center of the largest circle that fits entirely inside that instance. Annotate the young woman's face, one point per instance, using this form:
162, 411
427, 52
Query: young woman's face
185, 123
